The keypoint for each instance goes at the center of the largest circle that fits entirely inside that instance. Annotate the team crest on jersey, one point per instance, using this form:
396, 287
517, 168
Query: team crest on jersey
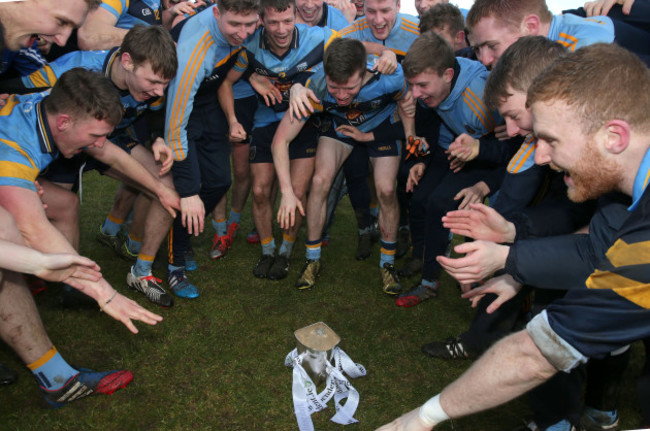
352, 115
262, 72
374, 104
469, 130
302, 67
146, 11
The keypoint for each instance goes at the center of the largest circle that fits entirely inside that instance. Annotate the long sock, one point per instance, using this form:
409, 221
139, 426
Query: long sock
133, 243
112, 225
143, 265
51, 370
563, 425
431, 284
374, 211
235, 216
268, 246
387, 253
604, 416
312, 251
287, 245
220, 226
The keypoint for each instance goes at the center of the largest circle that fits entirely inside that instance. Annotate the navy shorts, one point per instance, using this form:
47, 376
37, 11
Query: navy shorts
376, 148
302, 147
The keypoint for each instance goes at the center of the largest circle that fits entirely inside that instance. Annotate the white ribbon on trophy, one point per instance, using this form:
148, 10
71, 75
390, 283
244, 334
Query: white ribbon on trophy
317, 351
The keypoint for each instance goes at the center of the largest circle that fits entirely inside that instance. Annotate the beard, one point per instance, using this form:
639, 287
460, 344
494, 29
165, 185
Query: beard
593, 175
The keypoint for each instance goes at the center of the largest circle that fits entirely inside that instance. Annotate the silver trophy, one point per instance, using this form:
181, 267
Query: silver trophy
316, 342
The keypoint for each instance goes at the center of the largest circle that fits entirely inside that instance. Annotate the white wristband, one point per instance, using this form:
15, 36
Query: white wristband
431, 413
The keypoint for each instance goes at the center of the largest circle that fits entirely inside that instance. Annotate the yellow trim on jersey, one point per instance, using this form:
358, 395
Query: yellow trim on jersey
8, 108
524, 152
17, 147
571, 43
479, 109
623, 254
410, 30
44, 77
117, 5
632, 290
18, 170
335, 35
187, 79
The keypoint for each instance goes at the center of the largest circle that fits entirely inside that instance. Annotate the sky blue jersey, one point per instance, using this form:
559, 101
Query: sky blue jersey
306, 51
574, 32
131, 12
375, 102
400, 38
26, 143
98, 61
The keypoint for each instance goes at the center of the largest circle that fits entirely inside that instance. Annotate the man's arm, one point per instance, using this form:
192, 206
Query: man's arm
27, 209
227, 102
286, 132
127, 166
99, 31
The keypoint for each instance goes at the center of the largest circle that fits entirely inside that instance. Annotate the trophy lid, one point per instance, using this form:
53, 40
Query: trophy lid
317, 336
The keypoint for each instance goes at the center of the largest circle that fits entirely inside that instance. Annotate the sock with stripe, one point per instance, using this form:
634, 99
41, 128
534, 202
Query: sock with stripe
234, 217
133, 243
112, 225
52, 371
220, 226
312, 251
387, 253
143, 265
286, 248
268, 246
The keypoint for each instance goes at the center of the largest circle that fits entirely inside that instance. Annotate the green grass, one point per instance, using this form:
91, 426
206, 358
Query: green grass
217, 362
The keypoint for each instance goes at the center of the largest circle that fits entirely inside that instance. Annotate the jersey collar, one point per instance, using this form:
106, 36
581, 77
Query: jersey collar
640, 181
43, 131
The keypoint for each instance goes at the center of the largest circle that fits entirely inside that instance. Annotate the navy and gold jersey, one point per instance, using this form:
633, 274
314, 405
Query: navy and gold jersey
400, 38
131, 12
524, 158
306, 51
26, 143
375, 102
99, 61
204, 59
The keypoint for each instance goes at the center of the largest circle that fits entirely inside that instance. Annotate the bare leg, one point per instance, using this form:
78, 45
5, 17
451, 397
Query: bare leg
301, 173
241, 176
385, 172
62, 210
263, 179
330, 156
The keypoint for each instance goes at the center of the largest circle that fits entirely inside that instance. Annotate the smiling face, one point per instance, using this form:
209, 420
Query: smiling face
51, 21
589, 173
279, 27
381, 16
431, 88
490, 38
310, 12
424, 5
519, 120
143, 83
236, 27
345, 92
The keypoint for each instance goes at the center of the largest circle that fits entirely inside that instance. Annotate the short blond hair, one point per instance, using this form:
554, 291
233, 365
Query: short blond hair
601, 82
509, 12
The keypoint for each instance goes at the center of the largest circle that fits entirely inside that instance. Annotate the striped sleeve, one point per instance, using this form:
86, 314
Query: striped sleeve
17, 167
481, 120
524, 157
116, 7
182, 89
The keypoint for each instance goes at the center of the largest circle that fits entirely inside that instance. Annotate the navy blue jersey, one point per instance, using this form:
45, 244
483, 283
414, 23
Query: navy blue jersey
131, 12
307, 49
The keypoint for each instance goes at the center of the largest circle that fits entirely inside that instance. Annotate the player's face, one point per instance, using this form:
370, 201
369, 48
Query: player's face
82, 133
381, 16
489, 38
519, 120
431, 88
51, 21
310, 11
588, 173
359, 5
144, 83
345, 92
424, 5
236, 27
279, 27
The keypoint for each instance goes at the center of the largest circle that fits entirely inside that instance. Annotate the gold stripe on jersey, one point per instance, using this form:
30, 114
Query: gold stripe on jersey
187, 79
22, 152
8, 108
476, 105
117, 5
18, 170
632, 290
624, 254
568, 41
524, 152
